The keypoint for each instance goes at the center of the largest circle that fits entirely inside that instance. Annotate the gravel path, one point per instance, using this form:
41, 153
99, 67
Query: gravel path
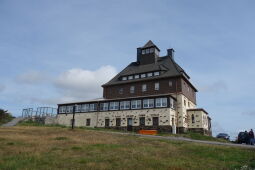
13, 122
186, 139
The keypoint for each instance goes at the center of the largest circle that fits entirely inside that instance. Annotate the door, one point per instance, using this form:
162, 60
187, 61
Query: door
107, 122
155, 121
129, 124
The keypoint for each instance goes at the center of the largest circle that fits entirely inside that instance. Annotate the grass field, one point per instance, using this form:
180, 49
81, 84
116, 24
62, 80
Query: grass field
35, 147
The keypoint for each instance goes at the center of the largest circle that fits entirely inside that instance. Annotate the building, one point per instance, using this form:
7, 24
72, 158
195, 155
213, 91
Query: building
151, 93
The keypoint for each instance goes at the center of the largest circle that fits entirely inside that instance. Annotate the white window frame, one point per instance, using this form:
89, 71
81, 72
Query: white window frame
144, 87
114, 106
124, 78
151, 50
143, 51
148, 103
92, 107
69, 109
85, 108
62, 109
147, 51
161, 102
136, 104
78, 108
124, 105
156, 86
104, 106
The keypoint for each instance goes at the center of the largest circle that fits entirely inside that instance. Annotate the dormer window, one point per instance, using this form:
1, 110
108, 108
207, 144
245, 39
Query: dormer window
124, 78
143, 75
149, 74
156, 73
130, 77
137, 76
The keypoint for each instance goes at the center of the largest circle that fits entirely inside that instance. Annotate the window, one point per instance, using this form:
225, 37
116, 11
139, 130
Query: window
87, 122
142, 121
118, 121
124, 78
69, 109
144, 87
147, 51
85, 108
155, 121
143, 51
136, 104
107, 122
104, 106
137, 76
149, 74
171, 103
132, 89
130, 77
184, 102
161, 102
170, 83
77, 108
188, 104
193, 118
148, 103
124, 105
151, 50
156, 86
156, 73
62, 109
143, 75
121, 91
93, 107
114, 106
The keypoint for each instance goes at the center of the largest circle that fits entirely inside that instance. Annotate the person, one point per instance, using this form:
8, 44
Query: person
246, 137
251, 136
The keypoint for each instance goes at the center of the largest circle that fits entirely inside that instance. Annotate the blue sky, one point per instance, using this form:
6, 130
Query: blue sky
56, 51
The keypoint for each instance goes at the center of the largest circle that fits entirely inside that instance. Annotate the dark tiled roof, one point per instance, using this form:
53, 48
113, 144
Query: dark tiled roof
165, 64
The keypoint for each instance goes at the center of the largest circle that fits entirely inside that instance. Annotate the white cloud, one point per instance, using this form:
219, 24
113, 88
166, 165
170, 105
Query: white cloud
84, 84
32, 77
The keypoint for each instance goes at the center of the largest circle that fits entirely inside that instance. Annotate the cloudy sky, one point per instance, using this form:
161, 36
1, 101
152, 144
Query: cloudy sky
62, 50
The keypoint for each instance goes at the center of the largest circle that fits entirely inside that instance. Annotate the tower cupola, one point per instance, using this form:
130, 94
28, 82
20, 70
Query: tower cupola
147, 54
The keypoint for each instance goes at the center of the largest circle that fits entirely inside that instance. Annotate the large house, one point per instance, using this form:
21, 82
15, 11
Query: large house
151, 93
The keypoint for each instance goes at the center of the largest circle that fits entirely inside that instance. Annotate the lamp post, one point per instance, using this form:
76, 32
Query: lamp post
73, 120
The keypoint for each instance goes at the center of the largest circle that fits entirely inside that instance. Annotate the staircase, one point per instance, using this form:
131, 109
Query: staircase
13, 122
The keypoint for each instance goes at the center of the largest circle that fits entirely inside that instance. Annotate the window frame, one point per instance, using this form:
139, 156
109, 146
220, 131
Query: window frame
161, 101
156, 86
132, 89
114, 105
136, 103
144, 87
148, 103
125, 105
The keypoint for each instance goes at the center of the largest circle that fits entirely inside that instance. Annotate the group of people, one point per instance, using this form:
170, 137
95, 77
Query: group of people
249, 137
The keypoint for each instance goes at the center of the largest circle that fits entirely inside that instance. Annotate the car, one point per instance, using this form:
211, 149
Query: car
223, 136
242, 138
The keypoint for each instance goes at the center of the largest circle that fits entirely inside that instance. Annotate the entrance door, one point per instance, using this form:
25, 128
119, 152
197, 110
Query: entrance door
129, 124
107, 122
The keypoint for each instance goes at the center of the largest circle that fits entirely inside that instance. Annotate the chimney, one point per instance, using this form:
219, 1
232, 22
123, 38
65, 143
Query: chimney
139, 53
170, 53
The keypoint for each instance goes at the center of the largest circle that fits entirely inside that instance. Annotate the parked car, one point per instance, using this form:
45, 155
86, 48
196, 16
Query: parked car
242, 138
223, 136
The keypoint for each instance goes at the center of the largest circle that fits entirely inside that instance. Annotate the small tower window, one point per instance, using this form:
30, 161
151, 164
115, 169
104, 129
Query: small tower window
143, 51
170, 83
132, 89
157, 86
143, 75
156, 73
144, 87
147, 51
151, 50
149, 74
124, 78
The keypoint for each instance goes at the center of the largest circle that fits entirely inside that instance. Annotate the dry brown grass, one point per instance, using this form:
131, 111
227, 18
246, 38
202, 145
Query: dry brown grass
28, 147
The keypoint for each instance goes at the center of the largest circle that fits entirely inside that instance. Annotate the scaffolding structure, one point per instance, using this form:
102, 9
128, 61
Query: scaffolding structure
40, 112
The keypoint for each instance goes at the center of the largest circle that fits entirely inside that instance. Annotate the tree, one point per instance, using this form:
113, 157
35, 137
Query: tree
4, 115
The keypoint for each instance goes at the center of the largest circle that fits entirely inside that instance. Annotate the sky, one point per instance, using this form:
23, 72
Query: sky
61, 51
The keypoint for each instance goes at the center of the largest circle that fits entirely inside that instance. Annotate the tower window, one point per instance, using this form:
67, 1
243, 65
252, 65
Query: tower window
147, 51
156, 73
151, 50
170, 83
121, 91
124, 78
143, 51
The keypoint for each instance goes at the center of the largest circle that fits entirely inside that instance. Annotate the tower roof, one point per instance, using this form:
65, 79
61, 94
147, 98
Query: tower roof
150, 44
